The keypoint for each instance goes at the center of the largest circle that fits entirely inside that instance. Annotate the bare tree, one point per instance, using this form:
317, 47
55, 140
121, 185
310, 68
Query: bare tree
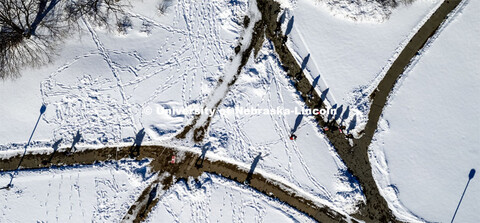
30, 29
98, 12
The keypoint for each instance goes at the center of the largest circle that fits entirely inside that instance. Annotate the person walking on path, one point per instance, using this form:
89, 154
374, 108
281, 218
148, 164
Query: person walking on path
293, 137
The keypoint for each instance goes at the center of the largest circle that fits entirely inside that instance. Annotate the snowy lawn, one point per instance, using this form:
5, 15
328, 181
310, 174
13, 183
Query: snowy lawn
428, 142
214, 199
351, 56
74, 194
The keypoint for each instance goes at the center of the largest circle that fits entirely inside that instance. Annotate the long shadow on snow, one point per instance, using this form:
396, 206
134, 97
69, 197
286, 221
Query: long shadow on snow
470, 177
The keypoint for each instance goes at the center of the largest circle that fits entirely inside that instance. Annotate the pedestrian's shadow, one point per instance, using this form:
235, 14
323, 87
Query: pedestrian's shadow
330, 115
252, 168
324, 94
289, 26
338, 112
305, 62
135, 149
283, 17
55, 148
470, 177
298, 120
345, 114
353, 123
151, 196
201, 158
299, 76
314, 84
76, 139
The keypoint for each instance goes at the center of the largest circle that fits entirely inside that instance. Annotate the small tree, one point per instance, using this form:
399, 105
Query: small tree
163, 6
124, 24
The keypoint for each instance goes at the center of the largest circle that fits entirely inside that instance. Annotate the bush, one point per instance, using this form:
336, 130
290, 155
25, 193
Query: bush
163, 6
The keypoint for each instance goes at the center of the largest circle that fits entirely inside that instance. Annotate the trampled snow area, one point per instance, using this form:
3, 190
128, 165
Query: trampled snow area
309, 162
215, 199
428, 138
75, 194
108, 85
99, 83
351, 57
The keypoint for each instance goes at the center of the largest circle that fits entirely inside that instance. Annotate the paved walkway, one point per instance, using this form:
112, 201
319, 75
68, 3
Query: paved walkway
355, 157
188, 164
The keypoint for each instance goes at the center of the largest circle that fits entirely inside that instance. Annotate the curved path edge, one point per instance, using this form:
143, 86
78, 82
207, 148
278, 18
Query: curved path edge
188, 164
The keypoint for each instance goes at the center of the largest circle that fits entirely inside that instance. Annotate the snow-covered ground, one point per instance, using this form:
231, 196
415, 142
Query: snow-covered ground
309, 162
108, 86
99, 83
428, 138
351, 57
215, 199
76, 194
